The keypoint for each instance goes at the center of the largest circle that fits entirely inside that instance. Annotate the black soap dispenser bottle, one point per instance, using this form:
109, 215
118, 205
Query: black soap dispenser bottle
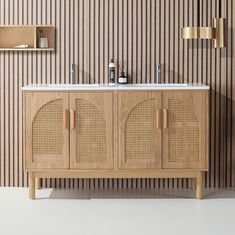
111, 72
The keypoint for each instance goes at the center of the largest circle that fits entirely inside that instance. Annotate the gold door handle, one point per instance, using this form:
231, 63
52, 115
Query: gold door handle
65, 118
165, 118
158, 119
72, 119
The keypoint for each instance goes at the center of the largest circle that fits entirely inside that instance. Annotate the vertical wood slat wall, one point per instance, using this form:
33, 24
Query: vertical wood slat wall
140, 33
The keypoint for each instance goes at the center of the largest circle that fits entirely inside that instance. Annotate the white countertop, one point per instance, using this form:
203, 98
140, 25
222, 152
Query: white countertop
86, 87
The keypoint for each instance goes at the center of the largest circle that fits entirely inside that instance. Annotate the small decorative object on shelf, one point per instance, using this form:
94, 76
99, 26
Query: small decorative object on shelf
42, 41
22, 46
122, 79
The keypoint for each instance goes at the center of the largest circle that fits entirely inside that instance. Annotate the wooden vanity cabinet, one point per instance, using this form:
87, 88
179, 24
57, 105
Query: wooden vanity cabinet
165, 130
116, 134
68, 131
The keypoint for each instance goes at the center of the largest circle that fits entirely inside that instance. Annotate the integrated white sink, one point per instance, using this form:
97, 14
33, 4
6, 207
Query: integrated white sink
152, 86
134, 85
158, 85
86, 85
66, 85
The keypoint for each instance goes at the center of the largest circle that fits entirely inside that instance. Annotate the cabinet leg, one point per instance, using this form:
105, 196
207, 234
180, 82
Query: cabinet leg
37, 183
31, 185
199, 185
193, 186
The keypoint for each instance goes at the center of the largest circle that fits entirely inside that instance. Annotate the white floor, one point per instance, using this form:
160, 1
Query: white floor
127, 212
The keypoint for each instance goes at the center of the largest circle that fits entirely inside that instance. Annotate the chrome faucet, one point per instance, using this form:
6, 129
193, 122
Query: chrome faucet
157, 73
72, 73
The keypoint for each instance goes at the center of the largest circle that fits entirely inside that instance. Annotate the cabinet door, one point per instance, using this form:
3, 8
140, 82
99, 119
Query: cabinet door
185, 129
46, 137
139, 130
91, 138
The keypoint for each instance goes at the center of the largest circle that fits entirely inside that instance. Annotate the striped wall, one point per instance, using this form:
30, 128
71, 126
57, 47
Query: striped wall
139, 33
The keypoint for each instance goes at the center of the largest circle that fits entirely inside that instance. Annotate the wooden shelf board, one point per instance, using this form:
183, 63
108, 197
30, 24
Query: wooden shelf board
23, 26
27, 49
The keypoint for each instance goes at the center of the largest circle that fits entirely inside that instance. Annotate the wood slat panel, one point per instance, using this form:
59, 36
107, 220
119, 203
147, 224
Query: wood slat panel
140, 34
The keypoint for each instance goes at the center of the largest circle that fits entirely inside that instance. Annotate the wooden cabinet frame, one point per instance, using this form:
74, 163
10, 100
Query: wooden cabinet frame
116, 106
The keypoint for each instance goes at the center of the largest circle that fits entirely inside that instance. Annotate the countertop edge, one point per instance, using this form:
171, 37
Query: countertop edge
112, 88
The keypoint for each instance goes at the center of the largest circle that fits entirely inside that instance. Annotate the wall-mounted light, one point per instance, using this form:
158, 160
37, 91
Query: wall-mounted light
216, 32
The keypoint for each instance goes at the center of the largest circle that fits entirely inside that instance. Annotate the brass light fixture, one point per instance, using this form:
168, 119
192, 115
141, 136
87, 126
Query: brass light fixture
216, 32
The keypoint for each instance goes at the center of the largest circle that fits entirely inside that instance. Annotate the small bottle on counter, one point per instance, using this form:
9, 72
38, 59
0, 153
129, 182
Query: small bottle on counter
111, 72
122, 79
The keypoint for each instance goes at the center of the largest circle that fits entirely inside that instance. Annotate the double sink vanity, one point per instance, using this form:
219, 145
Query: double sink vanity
119, 131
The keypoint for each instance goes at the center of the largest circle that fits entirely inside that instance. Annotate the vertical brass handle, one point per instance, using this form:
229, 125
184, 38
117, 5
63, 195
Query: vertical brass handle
165, 118
72, 119
65, 118
158, 119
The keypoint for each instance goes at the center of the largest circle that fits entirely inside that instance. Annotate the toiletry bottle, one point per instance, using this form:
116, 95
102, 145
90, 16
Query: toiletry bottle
122, 78
111, 72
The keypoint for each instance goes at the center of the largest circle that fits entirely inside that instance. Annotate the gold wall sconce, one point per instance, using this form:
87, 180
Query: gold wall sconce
216, 32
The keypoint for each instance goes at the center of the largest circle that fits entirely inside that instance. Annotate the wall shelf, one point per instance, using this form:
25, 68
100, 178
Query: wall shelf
14, 35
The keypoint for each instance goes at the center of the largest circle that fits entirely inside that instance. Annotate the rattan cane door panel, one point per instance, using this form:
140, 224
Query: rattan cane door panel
139, 137
91, 139
185, 137
47, 140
